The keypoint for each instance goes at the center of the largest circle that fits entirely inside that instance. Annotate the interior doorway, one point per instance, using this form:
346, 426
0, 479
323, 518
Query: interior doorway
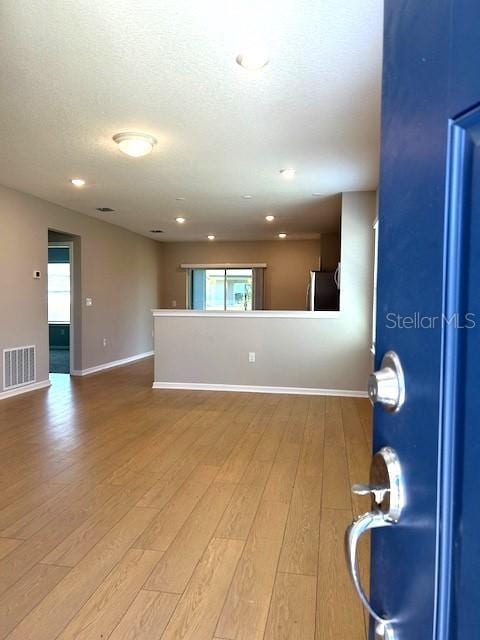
60, 304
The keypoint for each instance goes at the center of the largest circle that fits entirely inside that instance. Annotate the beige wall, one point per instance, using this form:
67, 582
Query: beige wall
326, 353
119, 270
286, 277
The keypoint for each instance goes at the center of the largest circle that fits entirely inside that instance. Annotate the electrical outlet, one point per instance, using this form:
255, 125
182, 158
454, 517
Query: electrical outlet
174, 303
104, 342
251, 356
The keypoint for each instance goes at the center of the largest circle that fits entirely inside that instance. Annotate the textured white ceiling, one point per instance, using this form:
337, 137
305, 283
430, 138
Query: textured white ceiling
74, 73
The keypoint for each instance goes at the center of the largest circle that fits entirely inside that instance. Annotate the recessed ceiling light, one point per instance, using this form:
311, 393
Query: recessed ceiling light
180, 220
78, 182
211, 237
282, 235
247, 197
181, 198
269, 218
287, 174
135, 144
105, 209
156, 231
253, 59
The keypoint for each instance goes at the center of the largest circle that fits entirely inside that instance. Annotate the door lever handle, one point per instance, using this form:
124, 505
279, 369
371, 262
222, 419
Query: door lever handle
387, 490
353, 534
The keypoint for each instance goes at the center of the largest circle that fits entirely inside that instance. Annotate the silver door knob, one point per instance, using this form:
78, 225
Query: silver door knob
387, 386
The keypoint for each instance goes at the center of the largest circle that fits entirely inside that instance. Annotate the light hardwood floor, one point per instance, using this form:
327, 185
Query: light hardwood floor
133, 514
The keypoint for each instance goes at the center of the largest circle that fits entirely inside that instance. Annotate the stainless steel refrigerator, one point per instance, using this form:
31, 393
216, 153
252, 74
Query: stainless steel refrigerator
323, 292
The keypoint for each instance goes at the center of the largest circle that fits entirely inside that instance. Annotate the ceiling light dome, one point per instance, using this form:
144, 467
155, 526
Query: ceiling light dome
253, 59
133, 144
288, 174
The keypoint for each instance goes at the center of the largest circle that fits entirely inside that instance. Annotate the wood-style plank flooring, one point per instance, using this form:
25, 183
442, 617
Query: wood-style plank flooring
133, 514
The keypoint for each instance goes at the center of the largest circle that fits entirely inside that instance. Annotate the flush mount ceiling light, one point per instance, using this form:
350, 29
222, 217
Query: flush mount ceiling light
247, 197
316, 194
133, 144
288, 174
180, 220
78, 182
282, 235
180, 198
253, 59
269, 218
211, 237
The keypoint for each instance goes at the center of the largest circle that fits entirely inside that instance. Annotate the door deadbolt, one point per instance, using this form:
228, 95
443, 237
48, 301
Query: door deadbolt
387, 386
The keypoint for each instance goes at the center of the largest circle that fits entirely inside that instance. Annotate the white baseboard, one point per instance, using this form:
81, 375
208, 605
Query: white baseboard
24, 389
111, 365
301, 391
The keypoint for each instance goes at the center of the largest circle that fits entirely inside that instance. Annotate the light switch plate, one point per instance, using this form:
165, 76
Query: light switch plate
88, 302
251, 356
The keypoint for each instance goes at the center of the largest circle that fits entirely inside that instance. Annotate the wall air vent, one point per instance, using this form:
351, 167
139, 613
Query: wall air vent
105, 209
156, 231
19, 367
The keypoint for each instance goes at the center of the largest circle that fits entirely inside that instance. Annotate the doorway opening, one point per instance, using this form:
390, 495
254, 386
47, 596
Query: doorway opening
60, 303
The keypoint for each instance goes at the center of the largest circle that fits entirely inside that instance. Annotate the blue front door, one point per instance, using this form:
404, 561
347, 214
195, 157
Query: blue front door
426, 569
